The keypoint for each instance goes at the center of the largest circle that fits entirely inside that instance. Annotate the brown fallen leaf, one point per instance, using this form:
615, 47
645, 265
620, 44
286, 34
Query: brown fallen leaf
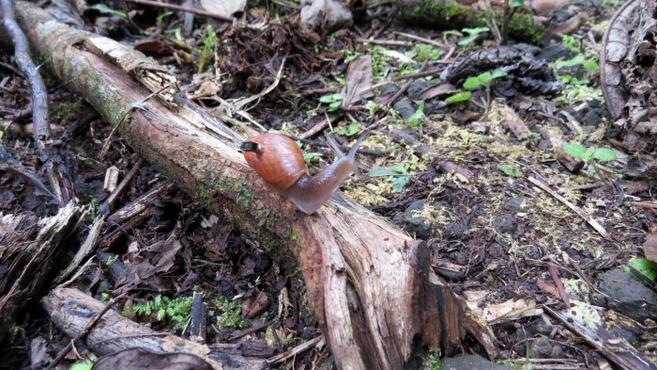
359, 81
253, 306
650, 245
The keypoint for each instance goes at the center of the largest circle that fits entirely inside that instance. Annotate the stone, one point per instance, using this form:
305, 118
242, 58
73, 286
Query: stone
405, 108
413, 222
628, 296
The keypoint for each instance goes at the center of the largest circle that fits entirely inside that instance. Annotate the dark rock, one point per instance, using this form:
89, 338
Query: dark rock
627, 295
544, 328
552, 53
405, 108
543, 348
470, 362
413, 222
450, 274
416, 88
505, 223
386, 92
516, 204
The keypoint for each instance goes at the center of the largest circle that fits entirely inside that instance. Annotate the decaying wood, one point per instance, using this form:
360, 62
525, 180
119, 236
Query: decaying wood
370, 285
71, 310
28, 249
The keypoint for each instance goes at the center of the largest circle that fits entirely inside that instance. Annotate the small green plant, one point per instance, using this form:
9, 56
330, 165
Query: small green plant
94, 208
334, 101
585, 154
208, 48
483, 80
460, 97
590, 64
509, 170
349, 130
160, 18
571, 43
230, 314
176, 310
399, 174
431, 361
424, 52
82, 365
473, 35
415, 120
106, 10
105, 297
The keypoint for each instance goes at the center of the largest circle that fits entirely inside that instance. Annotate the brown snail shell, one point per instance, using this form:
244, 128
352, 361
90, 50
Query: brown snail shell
277, 159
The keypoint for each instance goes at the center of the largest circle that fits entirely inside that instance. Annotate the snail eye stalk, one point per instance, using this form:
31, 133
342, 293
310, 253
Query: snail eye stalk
249, 146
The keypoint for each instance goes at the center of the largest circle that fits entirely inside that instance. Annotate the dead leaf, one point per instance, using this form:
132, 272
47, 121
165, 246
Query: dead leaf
325, 15
359, 81
508, 117
253, 306
154, 259
225, 8
650, 245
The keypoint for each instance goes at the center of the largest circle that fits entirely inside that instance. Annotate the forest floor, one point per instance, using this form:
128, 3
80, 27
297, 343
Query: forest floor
481, 166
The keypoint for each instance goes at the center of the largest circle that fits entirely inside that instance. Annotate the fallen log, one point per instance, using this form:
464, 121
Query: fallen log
370, 285
71, 310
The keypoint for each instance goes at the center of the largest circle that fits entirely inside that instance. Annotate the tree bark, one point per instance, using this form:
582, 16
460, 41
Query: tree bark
370, 285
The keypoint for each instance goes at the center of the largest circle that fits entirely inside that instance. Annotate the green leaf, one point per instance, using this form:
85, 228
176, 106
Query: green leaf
381, 171
591, 65
576, 150
461, 97
104, 9
482, 80
416, 119
335, 106
400, 183
517, 3
424, 52
604, 154
401, 168
509, 170
645, 267
331, 98
473, 33
569, 63
309, 156
350, 130
84, 365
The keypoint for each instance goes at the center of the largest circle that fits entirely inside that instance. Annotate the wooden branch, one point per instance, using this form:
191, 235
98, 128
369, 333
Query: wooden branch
370, 285
72, 311
57, 175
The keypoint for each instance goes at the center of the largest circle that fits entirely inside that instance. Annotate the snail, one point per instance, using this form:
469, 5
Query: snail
279, 161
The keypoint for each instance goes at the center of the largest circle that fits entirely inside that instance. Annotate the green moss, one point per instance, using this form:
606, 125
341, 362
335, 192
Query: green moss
431, 361
448, 14
230, 314
176, 311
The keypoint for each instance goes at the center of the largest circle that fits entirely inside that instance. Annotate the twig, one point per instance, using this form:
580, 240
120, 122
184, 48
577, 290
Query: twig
316, 128
594, 224
404, 88
8, 163
39, 102
644, 204
418, 38
183, 9
87, 328
243, 102
107, 205
296, 350
385, 42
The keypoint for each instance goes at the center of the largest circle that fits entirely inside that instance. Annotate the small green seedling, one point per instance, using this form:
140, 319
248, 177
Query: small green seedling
399, 174
590, 64
230, 314
350, 130
416, 119
585, 154
473, 34
510, 170
483, 80
461, 97
208, 48
424, 52
106, 10
334, 101
83, 365
175, 310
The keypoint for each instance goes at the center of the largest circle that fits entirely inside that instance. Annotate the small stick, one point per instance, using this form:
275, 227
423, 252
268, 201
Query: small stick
301, 348
183, 9
418, 38
316, 128
87, 328
594, 224
107, 205
644, 204
554, 274
385, 42
39, 94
